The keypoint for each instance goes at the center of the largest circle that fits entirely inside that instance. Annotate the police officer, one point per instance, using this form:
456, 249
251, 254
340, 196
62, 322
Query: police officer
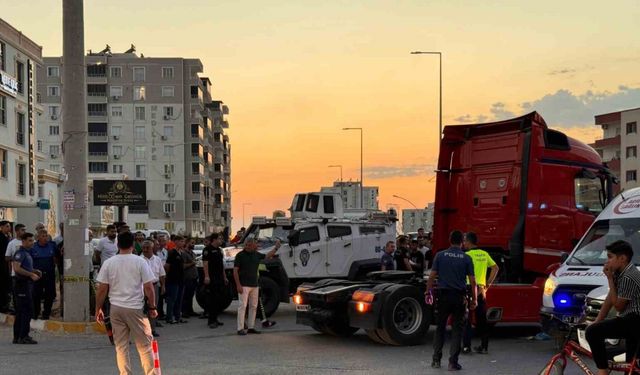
25, 275
401, 255
214, 277
451, 267
43, 253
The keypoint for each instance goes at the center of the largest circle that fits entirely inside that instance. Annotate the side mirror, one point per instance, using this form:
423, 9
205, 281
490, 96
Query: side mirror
563, 257
294, 238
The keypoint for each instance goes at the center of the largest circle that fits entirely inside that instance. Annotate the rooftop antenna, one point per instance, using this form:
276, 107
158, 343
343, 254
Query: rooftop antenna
106, 50
131, 50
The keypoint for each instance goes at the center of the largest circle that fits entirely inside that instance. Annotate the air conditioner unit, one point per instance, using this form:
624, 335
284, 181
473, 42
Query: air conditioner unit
171, 195
164, 137
116, 137
54, 156
166, 118
116, 156
54, 117
115, 98
167, 175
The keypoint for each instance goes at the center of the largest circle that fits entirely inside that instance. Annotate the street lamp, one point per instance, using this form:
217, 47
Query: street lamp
361, 166
406, 200
440, 63
243, 206
341, 186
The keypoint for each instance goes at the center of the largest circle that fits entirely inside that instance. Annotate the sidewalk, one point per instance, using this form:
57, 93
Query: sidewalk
57, 326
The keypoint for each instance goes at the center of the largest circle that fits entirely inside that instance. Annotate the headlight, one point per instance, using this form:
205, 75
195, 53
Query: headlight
549, 287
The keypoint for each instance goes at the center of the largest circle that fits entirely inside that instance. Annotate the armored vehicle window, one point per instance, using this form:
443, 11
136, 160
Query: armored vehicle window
328, 204
338, 231
310, 234
300, 202
371, 230
312, 203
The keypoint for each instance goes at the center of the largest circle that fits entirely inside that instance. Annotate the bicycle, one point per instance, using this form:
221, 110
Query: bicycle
571, 351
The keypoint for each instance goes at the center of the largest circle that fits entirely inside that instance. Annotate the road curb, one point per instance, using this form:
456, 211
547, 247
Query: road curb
56, 326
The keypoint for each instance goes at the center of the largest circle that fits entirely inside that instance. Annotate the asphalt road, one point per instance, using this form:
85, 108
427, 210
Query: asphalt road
193, 349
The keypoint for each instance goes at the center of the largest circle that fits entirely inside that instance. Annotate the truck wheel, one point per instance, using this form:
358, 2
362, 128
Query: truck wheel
375, 336
270, 295
404, 317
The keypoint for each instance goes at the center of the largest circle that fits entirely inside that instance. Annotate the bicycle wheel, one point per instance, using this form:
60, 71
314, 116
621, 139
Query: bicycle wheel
554, 368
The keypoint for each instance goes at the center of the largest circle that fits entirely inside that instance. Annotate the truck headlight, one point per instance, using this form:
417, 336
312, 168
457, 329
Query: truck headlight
549, 287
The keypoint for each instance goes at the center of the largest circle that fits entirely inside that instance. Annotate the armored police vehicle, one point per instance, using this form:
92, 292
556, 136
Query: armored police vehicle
320, 240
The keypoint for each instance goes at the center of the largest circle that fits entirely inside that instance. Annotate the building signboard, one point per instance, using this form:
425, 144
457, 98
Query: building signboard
8, 84
119, 193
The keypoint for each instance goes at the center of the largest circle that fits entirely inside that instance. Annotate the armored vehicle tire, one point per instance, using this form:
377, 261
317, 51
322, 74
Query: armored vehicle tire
404, 317
202, 295
269, 294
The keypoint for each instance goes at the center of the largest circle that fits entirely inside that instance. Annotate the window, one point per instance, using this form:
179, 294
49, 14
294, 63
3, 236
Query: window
141, 171
631, 175
141, 226
54, 112
168, 112
195, 188
588, 193
115, 91
140, 114
20, 76
139, 132
328, 204
167, 72
632, 127
97, 109
116, 72
54, 130
98, 167
20, 128
3, 110
138, 74
371, 230
54, 149
335, 231
169, 169
53, 91
3, 163
194, 92
632, 152
54, 168
117, 168
308, 235
117, 150
140, 152
169, 188
312, 203
195, 207
139, 93
116, 131
53, 71
3, 52
168, 91
97, 70
168, 150
39, 146
167, 131
116, 111
22, 179
169, 207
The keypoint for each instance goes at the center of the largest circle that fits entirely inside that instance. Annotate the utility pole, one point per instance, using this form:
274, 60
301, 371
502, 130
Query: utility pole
74, 130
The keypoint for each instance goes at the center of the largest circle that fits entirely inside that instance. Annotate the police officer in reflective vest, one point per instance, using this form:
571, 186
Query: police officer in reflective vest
451, 267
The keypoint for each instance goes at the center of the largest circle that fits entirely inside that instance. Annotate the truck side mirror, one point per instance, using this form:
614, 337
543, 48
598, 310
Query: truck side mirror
294, 238
563, 257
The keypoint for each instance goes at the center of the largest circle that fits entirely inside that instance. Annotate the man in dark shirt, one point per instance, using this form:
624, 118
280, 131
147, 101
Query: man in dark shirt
416, 259
386, 261
23, 286
43, 253
245, 275
214, 277
401, 255
5, 267
451, 267
624, 296
174, 287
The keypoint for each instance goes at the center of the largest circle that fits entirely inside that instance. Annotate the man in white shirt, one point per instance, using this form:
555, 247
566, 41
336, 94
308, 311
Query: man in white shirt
159, 275
15, 244
162, 251
107, 247
127, 279
59, 238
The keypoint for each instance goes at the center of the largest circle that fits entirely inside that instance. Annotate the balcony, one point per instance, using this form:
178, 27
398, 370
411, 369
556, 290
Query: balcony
99, 156
98, 136
606, 142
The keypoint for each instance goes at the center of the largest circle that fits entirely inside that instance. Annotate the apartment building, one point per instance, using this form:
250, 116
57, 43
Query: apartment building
350, 192
19, 109
619, 145
148, 119
416, 218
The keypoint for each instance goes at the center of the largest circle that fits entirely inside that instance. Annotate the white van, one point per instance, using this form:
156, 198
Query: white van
581, 274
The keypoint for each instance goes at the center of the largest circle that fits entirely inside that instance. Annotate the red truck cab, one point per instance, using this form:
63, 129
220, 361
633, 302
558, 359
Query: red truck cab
528, 191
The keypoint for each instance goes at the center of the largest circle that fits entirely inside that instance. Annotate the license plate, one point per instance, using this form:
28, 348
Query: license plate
303, 308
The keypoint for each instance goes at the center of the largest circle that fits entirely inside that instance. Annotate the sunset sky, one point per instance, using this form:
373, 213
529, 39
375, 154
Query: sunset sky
294, 73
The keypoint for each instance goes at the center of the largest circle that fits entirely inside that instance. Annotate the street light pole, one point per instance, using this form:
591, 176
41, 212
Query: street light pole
243, 206
361, 165
440, 64
406, 200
